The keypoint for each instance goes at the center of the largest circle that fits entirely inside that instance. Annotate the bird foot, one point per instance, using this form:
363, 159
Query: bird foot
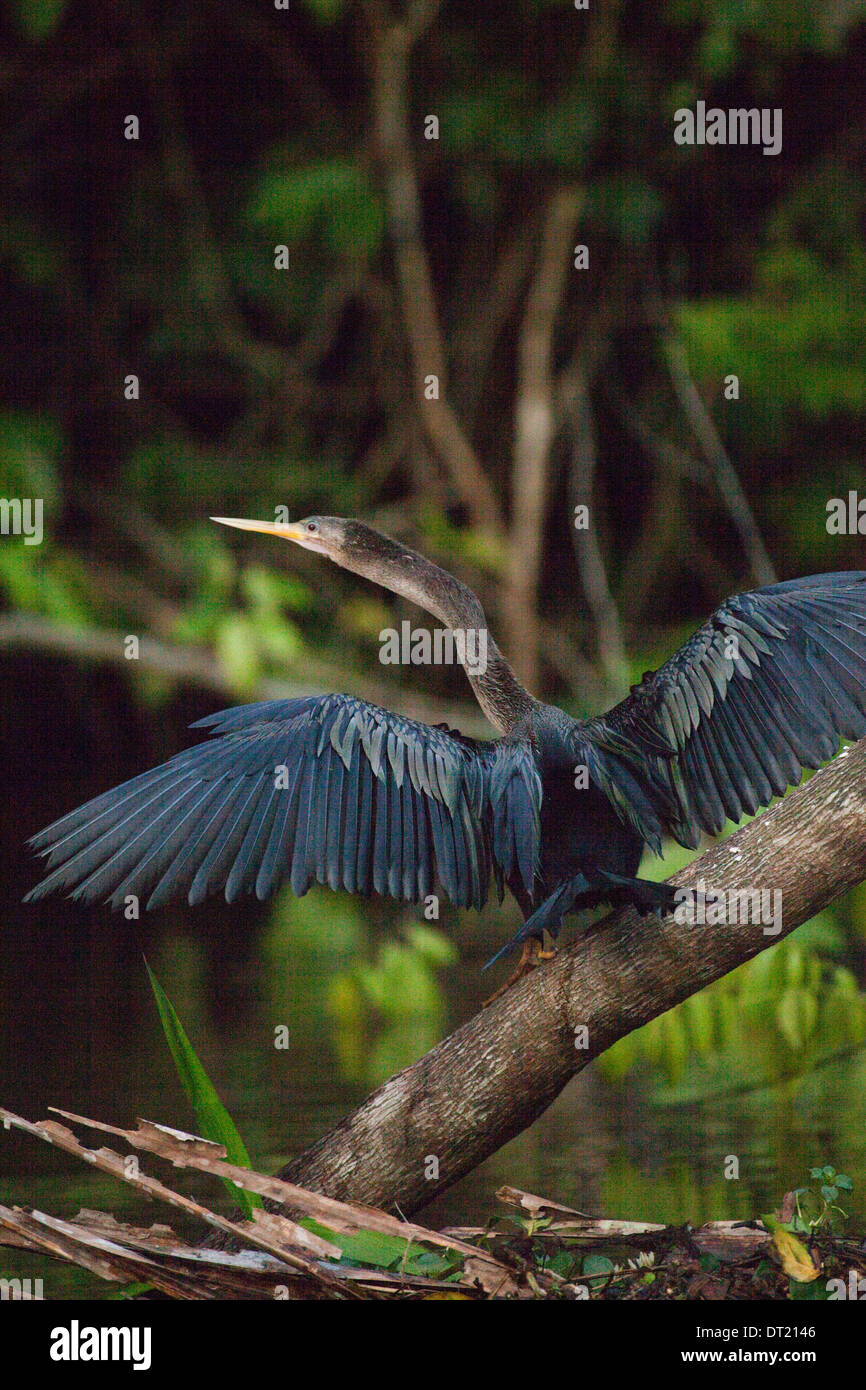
532, 954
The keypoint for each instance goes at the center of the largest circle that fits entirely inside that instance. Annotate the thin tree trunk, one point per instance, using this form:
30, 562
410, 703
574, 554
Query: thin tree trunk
438, 1119
535, 427
392, 45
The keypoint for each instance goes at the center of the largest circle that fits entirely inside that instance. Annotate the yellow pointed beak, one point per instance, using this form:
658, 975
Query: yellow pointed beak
288, 531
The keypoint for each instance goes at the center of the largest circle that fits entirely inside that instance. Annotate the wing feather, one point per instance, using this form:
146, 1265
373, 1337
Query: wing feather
325, 788
766, 687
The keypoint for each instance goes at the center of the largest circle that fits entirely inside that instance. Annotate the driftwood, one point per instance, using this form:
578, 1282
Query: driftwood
438, 1119
276, 1258
271, 1256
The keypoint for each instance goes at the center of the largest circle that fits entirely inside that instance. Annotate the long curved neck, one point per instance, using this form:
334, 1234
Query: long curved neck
503, 699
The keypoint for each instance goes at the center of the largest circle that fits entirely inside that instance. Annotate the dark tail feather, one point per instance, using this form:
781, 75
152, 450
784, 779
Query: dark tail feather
548, 916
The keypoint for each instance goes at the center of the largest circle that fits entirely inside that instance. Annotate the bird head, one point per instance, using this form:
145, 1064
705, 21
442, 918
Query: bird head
357, 547
325, 534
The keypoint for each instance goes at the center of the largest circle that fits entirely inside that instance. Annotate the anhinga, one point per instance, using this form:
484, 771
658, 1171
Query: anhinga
334, 790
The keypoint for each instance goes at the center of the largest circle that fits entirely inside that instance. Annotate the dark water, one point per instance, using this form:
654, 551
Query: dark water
79, 1028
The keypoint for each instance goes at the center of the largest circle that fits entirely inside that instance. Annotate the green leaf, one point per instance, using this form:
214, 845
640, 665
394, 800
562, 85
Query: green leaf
796, 1259
563, 1262
333, 197
674, 1044
629, 206
432, 945
382, 1251
807, 1293
269, 591
129, 1291
845, 1183
699, 1011
237, 649
30, 445
214, 1120
325, 11
717, 52
796, 1015
38, 19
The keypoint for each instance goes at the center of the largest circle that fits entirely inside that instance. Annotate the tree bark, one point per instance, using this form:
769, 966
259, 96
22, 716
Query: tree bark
499, 1071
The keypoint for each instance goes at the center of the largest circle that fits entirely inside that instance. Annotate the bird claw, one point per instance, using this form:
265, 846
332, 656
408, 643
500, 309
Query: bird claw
532, 954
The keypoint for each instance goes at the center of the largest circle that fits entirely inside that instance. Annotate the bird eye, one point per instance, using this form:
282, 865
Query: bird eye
311, 526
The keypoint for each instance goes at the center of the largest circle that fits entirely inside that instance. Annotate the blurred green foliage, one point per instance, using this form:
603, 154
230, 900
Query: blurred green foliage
330, 202
37, 19
389, 1012
797, 344
782, 1014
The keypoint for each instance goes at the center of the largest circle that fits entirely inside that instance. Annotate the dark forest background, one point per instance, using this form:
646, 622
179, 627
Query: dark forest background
408, 257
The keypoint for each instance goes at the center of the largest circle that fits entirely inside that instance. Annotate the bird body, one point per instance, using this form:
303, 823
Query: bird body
332, 789
581, 831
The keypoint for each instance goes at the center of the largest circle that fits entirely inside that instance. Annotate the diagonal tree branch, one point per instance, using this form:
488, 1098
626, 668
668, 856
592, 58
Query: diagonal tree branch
704, 430
500, 1070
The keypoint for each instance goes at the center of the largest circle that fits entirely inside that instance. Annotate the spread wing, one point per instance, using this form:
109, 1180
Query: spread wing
323, 789
765, 688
